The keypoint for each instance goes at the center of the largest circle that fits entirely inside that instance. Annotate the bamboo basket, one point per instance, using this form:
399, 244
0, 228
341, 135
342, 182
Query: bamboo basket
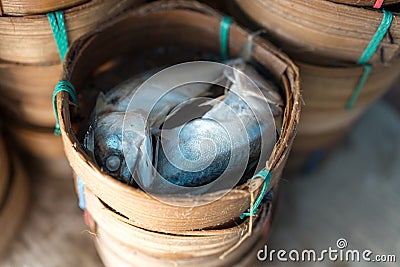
323, 32
324, 109
43, 150
364, 2
4, 172
14, 202
326, 51
119, 243
38, 142
29, 7
27, 91
184, 24
38, 45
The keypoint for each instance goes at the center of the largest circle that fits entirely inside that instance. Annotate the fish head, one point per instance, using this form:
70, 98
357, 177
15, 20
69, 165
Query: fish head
108, 147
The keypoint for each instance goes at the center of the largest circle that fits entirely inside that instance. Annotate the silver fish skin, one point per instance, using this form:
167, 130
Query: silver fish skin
236, 139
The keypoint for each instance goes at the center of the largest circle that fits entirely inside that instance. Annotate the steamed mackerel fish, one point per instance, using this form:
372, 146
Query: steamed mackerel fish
185, 160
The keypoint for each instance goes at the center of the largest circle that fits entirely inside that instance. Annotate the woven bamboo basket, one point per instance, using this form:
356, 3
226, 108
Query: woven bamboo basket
365, 2
38, 45
182, 24
121, 244
29, 7
38, 142
324, 109
4, 172
41, 148
27, 92
323, 32
14, 195
326, 40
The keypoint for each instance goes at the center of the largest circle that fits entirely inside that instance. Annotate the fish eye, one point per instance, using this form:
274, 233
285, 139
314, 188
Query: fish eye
113, 163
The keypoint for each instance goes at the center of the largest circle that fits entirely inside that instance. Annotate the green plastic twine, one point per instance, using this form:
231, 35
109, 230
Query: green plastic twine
57, 24
368, 53
65, 86
266, 175
224, 36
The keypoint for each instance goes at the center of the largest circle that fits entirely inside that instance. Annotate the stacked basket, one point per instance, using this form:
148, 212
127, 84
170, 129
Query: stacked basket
131, 227
13, 196
34, 36
348, 57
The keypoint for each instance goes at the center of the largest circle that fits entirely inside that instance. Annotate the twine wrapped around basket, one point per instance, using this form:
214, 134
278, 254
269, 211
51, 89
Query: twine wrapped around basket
29, 7
13, 196
328, 40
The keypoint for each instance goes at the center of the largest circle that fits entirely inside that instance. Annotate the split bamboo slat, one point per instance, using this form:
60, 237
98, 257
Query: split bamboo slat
29, 7
365, 2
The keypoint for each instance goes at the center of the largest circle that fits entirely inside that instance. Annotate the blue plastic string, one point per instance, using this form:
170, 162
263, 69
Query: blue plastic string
81, 194
224, 36
65, 86
368, 53
266, 175
56, 20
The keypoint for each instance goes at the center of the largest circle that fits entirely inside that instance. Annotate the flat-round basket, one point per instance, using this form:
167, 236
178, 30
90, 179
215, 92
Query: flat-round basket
327, 40
323, 32
4, 172
27, 90
365, 2
29, 39
186, 25
14, 195
119, 243
29, 7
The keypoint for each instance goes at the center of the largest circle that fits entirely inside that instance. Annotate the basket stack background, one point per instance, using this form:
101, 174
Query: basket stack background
327, 40
30, 66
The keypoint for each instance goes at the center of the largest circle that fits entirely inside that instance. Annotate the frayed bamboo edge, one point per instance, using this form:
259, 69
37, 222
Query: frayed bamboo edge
249, 232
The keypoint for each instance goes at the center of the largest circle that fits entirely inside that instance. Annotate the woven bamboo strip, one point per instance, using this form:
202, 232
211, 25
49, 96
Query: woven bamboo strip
29, 7
27, 92
364, 2
119, 242
38, 142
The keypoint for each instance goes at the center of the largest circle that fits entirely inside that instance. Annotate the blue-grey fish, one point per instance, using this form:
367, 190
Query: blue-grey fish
226, 138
